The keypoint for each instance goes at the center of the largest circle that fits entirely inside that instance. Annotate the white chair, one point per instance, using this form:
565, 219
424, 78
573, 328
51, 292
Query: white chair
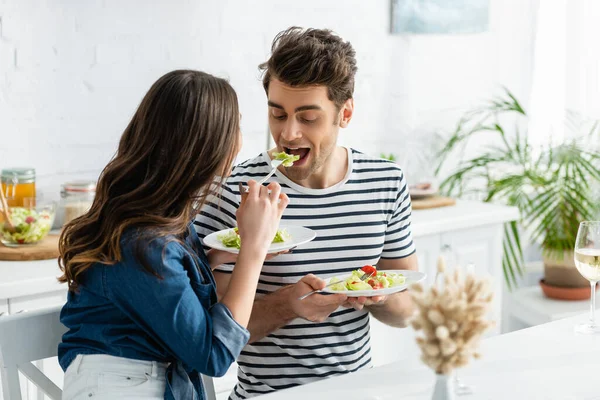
24, 338
33, 336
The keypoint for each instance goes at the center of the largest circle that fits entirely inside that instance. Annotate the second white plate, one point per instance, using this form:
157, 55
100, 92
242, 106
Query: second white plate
410, 275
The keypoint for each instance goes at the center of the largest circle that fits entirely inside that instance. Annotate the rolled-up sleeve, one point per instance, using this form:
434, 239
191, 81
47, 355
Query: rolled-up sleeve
170, 310
227, 330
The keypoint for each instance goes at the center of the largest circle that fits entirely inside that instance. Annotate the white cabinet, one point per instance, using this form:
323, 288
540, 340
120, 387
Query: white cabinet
36, 301
428, 250
479, 245
3, 307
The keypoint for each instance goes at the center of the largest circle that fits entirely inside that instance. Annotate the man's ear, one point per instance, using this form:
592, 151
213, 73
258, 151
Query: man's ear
346, 113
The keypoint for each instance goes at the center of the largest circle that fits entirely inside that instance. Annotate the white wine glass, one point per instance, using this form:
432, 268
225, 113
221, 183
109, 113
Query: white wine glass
587, 261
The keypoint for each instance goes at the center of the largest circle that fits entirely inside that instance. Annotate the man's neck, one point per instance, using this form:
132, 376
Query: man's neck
332, 172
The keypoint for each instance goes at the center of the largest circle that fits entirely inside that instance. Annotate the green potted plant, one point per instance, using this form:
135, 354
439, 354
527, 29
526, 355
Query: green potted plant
554, 187
389, 157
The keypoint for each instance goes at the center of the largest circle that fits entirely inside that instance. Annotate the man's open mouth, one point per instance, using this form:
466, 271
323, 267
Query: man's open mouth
302, 152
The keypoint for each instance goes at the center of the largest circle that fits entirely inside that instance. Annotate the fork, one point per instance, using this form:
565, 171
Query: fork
363, 278
274, 165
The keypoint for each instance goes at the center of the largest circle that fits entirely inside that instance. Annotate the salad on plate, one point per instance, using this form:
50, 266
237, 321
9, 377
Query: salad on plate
378, 280
232, 238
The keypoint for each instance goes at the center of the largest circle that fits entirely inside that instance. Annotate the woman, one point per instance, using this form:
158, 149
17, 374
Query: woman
142, 311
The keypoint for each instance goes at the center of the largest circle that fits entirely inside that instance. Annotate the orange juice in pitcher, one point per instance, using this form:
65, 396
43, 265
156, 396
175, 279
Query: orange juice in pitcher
18, 184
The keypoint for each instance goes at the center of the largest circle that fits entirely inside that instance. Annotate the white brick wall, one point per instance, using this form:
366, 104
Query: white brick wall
72, 72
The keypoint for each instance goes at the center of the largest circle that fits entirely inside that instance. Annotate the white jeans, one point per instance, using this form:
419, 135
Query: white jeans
102, 377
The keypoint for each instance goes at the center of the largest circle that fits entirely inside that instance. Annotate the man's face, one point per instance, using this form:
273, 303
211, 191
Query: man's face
303, 122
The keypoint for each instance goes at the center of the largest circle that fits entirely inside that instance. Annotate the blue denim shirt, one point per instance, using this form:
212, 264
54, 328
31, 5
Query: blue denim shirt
124, 311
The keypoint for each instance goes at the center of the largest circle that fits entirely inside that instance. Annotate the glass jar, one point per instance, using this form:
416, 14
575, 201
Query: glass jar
76, 200
18, 185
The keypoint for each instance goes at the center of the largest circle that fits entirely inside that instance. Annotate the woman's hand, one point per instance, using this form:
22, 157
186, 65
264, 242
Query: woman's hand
259, 214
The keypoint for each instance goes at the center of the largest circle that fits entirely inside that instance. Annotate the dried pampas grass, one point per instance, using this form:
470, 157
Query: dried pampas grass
451, 318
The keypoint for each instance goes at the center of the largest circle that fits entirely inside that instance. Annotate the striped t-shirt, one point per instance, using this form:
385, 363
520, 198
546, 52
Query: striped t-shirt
359, 220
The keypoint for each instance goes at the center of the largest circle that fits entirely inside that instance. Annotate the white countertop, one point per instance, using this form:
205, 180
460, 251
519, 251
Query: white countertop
20, 278
463, 215
531, 306
548, 362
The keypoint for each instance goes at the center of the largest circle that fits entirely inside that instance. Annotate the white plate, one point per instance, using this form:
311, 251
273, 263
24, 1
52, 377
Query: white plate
299, 235
410, 275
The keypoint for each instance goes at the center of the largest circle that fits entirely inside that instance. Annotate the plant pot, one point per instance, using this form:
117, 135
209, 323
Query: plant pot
566, 293
562, 272
444, 387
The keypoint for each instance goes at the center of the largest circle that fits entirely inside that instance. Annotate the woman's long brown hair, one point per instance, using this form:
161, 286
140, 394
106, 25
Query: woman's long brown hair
184, 135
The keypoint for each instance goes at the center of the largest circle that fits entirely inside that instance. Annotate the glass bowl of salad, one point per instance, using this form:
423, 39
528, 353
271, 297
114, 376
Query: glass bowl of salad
31, 224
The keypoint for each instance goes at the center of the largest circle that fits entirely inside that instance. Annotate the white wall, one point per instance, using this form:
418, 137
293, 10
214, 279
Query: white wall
583, 58
444, 75
72, 72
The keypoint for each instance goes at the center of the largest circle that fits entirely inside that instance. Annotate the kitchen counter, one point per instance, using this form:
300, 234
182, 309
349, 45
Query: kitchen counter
463, 215
548, 362
472, 231
19, 278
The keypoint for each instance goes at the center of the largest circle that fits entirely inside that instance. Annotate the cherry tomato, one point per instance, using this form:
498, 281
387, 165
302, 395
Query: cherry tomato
375, 284
369, 270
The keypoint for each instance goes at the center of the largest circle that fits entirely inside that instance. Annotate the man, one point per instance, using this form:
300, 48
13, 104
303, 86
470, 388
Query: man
358, 205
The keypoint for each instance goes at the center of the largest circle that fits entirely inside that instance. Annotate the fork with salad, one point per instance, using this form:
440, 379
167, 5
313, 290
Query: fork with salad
287, 160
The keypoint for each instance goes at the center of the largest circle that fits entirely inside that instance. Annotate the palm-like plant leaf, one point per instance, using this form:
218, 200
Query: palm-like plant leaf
552, 191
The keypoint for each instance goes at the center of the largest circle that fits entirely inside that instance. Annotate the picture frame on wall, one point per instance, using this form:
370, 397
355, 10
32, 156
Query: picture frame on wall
439, 16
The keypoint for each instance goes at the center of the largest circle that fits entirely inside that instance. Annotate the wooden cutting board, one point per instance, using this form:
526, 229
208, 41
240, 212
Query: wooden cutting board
432, 202
46, 249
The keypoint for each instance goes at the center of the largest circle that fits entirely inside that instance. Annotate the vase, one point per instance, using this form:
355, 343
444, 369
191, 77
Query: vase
444, 387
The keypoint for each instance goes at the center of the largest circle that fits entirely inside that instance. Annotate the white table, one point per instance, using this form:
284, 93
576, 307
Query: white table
546, 362
529, 306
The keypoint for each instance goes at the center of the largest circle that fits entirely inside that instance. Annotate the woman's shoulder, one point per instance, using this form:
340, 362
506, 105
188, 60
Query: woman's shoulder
149, 241
140, 248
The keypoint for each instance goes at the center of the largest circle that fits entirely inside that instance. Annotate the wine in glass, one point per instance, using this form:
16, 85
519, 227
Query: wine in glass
587, 261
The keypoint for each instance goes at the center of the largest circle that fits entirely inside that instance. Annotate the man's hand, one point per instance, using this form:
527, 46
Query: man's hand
316, 307
358, 303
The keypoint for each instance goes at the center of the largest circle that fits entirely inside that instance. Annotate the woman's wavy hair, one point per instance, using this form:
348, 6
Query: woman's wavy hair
178, 147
